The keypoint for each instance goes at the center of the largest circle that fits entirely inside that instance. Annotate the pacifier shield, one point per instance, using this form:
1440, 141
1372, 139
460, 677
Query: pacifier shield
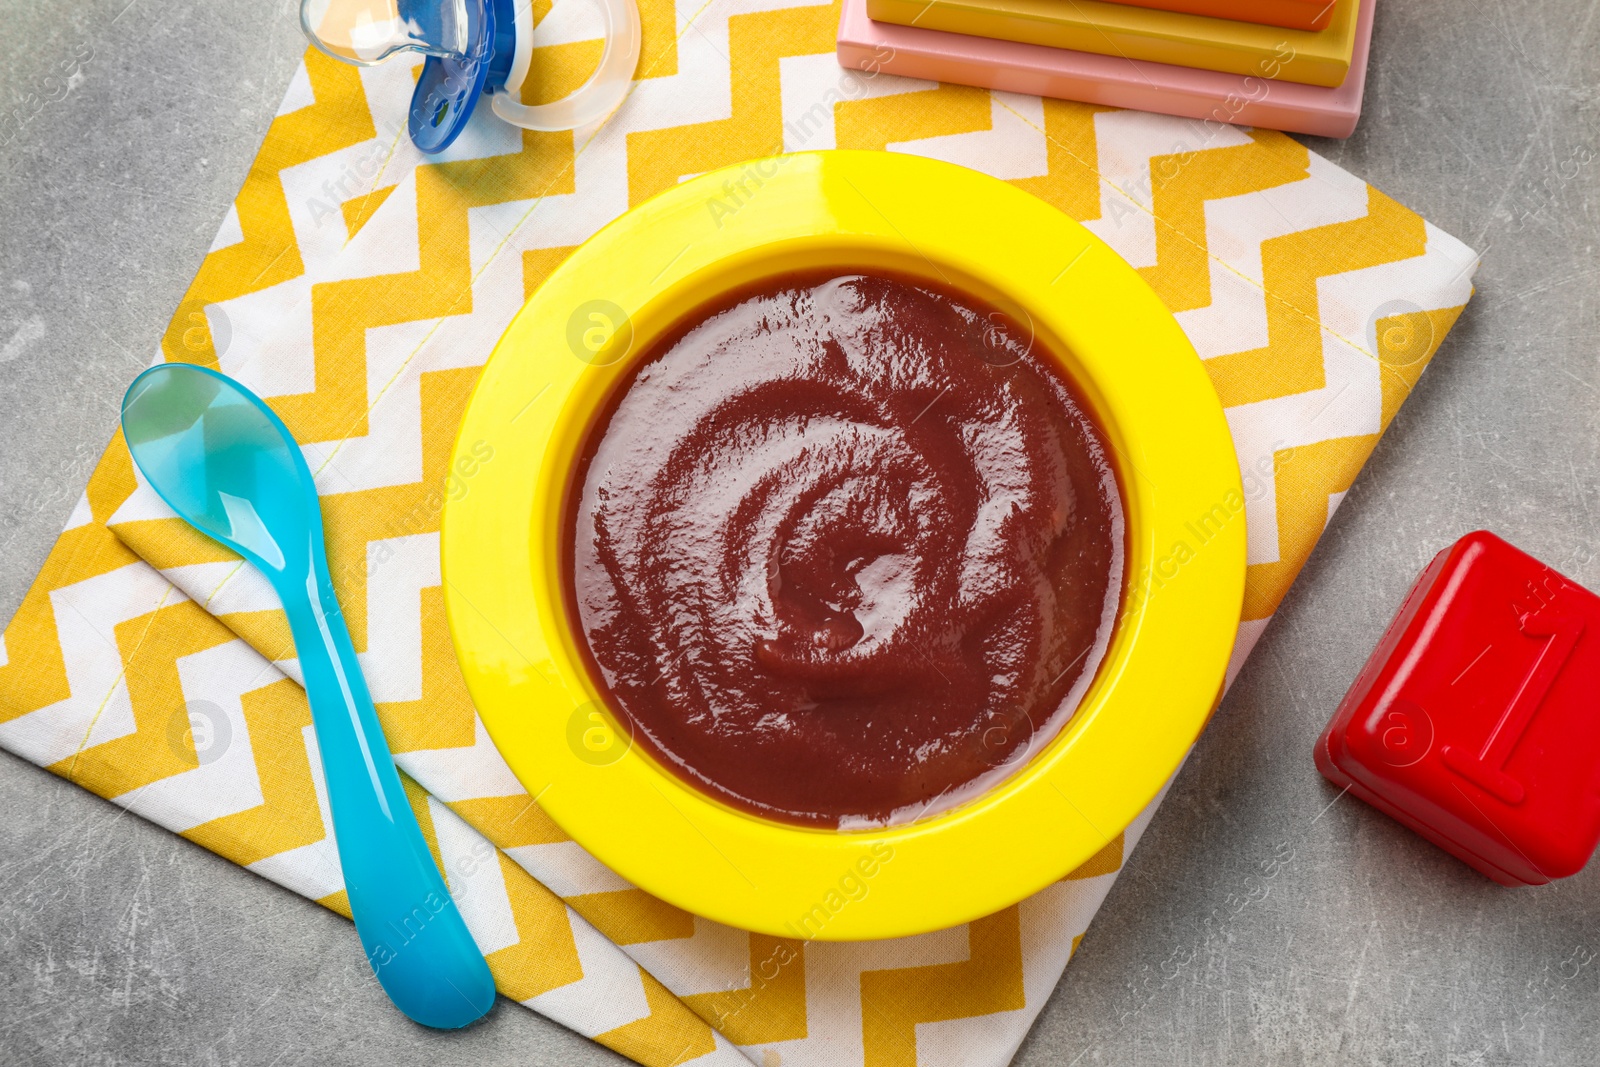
448, 88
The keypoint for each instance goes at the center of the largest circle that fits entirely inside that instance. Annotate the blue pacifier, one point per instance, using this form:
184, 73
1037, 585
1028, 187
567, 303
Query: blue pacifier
472, 47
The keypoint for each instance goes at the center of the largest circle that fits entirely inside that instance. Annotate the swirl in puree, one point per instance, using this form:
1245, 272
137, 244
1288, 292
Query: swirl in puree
845, 551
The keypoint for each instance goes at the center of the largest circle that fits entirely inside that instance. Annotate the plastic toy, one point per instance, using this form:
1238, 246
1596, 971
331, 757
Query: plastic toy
1474, 722
1208, 95
1266, 53
473, 47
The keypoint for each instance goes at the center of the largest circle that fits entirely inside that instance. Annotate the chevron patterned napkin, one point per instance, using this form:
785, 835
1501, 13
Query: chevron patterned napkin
359, 287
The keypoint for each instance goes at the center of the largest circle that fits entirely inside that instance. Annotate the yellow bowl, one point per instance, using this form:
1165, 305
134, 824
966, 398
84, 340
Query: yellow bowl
503, 559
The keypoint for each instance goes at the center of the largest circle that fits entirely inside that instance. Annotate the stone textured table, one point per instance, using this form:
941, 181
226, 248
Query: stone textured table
121, 943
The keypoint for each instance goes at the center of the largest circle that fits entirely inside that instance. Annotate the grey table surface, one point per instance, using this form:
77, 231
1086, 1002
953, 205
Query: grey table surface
123, 944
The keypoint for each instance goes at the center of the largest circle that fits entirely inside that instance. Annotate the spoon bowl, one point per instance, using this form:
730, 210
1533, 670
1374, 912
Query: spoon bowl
224, 462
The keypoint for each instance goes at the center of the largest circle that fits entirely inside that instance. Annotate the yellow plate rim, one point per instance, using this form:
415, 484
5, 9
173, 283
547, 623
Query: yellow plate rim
1183, 500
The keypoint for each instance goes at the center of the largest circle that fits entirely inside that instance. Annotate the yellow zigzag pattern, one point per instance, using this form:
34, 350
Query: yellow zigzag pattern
773, 1008
1291, 266
1072, 182
269, 254
545, 956
149, 645
1306, 476
342, 311
878, 122
35, 674
1181, 186
277, 715
657, 159
893, 1002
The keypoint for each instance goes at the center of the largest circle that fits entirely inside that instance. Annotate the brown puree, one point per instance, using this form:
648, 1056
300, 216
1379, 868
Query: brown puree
845, 550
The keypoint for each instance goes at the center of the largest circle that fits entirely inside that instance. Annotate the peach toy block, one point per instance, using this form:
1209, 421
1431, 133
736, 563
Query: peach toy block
1112, 81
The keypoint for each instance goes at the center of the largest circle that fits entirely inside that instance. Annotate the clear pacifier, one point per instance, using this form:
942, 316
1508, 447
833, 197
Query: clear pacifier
472, 47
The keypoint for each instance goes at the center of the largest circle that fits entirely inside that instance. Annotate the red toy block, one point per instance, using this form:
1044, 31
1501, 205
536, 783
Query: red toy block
1476, 722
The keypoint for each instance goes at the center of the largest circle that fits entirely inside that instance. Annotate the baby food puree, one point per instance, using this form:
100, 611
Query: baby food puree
845, 550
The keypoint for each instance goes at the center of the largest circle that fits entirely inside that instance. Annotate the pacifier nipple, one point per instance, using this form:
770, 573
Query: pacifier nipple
368, 31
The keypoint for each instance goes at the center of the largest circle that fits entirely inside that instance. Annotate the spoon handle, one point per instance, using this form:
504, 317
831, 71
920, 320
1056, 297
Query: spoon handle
415, 939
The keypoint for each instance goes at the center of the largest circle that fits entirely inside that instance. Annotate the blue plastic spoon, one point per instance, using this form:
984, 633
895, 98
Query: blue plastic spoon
230, 468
